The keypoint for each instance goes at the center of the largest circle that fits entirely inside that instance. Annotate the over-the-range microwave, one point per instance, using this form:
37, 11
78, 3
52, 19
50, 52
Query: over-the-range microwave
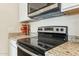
44, 10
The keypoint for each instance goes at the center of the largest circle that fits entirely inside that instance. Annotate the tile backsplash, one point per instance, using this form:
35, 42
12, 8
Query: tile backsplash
72, 21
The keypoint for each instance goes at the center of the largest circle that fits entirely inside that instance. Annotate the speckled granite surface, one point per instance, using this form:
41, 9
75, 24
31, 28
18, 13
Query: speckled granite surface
66, 49
16, 36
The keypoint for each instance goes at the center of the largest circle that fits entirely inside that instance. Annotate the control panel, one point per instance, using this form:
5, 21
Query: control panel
53, 29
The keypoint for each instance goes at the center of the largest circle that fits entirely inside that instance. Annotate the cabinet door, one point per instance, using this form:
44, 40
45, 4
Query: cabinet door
23, 15
69, 6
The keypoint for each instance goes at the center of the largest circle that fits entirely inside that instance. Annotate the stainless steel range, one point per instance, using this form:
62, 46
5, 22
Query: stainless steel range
48, 37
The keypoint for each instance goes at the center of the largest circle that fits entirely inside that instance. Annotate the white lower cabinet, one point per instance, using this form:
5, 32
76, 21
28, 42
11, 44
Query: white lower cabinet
12, 48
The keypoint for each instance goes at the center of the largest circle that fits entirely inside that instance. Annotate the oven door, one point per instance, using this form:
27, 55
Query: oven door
27, 51
24, 52
21, 52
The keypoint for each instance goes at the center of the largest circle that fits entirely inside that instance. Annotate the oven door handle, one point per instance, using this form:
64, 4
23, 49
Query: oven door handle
27, 51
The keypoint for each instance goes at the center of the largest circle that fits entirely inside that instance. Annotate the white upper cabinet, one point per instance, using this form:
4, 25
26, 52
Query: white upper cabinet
23, 13
69, 6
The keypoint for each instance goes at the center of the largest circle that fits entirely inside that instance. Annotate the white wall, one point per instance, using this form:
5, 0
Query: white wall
71, 21
8, 23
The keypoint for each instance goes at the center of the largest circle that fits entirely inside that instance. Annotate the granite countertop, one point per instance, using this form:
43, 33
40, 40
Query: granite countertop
16, 36
66, 49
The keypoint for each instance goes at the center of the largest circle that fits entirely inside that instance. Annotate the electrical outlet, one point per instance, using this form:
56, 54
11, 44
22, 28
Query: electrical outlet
76, 37
73, 38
